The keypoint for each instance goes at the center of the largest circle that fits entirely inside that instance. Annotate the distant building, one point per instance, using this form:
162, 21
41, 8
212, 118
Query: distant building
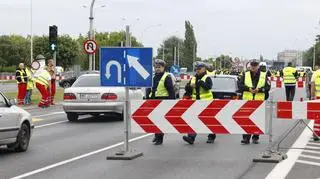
293, 56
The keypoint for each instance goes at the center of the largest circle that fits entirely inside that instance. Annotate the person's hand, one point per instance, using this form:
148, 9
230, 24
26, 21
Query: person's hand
254, 91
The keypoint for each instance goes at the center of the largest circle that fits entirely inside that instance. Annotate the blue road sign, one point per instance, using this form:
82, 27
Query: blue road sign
175, 69
127, 67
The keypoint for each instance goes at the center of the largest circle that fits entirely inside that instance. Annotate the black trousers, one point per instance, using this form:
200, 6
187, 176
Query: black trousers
210, 136
290, 91
248, 136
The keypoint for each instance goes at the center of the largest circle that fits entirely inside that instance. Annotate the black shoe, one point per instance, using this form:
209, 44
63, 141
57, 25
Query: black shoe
255, 141
210, 141
244, 141
188, 139
315, 138
154, 140
158, 142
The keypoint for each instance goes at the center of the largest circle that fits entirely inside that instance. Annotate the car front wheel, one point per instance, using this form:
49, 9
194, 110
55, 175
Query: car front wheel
23, 139
66, 85
72, 117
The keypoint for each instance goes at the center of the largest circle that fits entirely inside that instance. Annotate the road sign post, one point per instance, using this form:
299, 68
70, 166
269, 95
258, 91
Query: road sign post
126, 67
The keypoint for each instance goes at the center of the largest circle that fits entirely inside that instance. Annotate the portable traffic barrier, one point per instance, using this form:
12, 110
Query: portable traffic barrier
200, 116
299, 110
10, 77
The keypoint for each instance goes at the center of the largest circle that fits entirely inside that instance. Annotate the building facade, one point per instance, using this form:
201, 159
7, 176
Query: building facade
293, 56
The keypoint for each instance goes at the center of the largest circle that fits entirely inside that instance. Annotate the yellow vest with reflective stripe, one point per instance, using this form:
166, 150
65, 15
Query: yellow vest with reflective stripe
22, 73
247, 95
161, 89
211, 73
30, 84
204, 94
317, 82
43, 78
288, 75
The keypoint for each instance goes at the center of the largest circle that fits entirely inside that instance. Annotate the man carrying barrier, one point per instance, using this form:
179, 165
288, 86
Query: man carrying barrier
254, 86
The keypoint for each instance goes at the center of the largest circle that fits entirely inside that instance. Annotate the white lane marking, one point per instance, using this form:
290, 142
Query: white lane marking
314, 143
282, 169
50, 114
310, 156
50, 124
311, 147
77, 158
307, 162
311, 151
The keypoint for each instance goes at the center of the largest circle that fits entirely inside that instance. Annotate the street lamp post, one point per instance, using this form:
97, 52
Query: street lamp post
31, 33
91, 32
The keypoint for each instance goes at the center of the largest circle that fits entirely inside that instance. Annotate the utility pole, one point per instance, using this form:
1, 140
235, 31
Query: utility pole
91, 32
31, 33
163, 52
314, 55
174, 55
178, 55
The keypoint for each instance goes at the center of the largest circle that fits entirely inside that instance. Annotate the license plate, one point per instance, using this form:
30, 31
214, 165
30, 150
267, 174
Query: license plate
89, 96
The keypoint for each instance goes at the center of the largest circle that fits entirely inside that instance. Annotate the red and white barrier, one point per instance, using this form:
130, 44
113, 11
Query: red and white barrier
185, 76
201, 116
299, 110
5, 78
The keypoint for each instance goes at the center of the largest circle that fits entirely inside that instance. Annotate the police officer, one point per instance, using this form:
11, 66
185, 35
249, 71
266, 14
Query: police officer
254, 86
199, 88
210, 70
289, 75
162, 89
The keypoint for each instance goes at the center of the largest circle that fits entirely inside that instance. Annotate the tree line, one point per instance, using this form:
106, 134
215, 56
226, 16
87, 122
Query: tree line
16, 48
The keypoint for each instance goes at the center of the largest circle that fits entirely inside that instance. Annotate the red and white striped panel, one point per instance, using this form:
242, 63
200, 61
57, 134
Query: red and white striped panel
14, 77
299, 110
201, 116
185, 77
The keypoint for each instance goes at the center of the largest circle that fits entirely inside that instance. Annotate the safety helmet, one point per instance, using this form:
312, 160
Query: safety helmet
40, 57
199, 64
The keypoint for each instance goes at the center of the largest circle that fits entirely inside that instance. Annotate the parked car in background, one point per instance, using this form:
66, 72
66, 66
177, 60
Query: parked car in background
225, 87
86, 96
176, 84
15, 125
71, 77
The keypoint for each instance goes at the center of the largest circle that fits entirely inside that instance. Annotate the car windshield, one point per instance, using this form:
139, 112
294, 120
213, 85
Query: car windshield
223, 84
87, 81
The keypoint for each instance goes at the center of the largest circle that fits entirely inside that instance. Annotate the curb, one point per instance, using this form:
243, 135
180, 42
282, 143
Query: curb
36, 106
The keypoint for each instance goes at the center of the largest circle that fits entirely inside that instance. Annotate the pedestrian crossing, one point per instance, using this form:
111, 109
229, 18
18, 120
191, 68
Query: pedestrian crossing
311, 154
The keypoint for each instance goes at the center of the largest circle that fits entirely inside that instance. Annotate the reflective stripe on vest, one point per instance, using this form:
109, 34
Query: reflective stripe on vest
247, 95
22, 75
43, 78
288, 75
161, 89
204, 94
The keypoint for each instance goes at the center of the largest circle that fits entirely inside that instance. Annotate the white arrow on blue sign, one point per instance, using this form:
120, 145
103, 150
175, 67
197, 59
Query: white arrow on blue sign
127, 67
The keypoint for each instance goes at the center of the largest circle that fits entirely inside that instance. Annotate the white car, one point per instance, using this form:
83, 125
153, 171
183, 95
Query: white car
86, 96
15, 125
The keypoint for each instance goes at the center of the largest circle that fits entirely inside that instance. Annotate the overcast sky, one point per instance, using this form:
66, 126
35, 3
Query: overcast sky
243, 28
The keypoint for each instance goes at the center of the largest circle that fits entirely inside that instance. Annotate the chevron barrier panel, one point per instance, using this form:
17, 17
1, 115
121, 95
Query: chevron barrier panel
299, 110
200, 116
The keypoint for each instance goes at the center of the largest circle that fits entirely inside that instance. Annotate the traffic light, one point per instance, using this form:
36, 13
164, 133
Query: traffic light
53, 34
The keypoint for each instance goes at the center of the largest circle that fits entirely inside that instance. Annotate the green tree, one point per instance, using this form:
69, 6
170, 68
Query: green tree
308, 54
12, 50
224, 62
168, 48
190, 46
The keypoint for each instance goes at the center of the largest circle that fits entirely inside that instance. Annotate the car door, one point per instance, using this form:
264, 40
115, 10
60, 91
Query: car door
9, 120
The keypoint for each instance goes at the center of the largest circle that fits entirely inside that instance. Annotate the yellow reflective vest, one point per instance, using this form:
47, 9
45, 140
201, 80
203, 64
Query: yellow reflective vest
43, 78
30, 83
204, 94
288, 75
161, 89
316, 77
211, 73
21, 74
247, 95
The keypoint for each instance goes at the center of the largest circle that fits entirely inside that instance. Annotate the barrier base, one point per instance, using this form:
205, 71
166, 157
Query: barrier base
270, 157
122, 155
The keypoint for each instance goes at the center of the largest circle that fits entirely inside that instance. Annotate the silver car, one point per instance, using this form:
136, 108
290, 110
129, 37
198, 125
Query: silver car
86, 96
15, 125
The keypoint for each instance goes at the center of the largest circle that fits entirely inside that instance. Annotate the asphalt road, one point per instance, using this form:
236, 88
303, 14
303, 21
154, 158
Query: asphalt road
60, 149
